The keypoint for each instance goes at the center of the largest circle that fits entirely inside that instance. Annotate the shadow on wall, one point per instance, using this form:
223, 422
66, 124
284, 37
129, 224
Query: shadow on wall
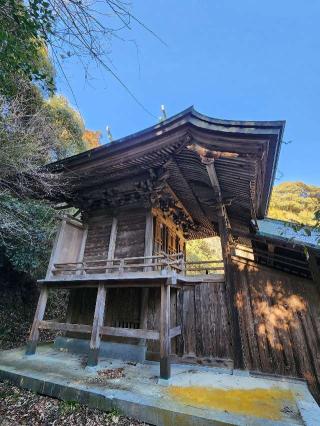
280, 323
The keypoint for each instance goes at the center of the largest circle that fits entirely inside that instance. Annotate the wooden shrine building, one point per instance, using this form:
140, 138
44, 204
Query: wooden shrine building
122, 254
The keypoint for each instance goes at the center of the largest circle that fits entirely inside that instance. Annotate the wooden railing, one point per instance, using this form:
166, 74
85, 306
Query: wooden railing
206, 267
161, 262
286, 263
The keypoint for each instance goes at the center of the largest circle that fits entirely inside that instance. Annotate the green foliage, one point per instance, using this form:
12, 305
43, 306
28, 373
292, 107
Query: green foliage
297, 202
32, 132
24, 31
27, 233
290, 201
68, 407
113, 416
69, 126
205, 249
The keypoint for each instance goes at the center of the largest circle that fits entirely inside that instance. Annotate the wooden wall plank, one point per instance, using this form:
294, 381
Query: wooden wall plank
282, 311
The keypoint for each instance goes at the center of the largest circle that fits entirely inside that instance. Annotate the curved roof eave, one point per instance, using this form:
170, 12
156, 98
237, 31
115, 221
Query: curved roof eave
186, 121
188, 116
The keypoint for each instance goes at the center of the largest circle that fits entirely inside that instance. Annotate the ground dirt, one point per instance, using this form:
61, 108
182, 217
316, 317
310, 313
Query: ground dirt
22, 407
18, 300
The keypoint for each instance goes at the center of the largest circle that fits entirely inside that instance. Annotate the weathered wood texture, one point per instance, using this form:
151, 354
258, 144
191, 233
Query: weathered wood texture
279, 320
131, 233
123, 305
98, 320
122, 310
99, 230
209, 319
201, 311
148, 251
280, 323
38, 317
68, 245
165, 341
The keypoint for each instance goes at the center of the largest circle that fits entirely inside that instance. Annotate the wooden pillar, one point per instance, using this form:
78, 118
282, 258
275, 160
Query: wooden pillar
113, 238
231, 293
97, 324
148, 250
165, 341
34, 333
82, 246
225, 236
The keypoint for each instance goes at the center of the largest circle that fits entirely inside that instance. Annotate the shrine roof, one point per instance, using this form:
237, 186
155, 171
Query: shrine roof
246, 180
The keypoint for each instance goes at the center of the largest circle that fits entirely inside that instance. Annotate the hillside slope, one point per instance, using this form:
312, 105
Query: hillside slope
290, 201
294, 201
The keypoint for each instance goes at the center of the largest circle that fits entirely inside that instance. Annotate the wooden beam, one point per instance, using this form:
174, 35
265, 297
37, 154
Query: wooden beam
165, 341
130, 332
175, 331
96, 326
192, 197
213, 178
34, 333
179, 202
208, 153
61, 326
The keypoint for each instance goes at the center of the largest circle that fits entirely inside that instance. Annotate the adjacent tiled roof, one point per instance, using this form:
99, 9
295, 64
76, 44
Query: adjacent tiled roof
272, 228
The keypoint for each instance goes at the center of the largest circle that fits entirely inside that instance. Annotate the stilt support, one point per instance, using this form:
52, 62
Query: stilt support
165, 341
34, 333
98, 319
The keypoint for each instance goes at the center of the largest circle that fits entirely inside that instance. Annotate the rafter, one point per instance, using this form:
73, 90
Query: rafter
178, 174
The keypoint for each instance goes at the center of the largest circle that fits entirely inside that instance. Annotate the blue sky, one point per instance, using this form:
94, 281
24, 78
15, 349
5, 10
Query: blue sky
231, 59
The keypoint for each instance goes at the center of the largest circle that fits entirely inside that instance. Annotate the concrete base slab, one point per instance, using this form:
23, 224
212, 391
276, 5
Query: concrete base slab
124, 351
196, 395
164, 382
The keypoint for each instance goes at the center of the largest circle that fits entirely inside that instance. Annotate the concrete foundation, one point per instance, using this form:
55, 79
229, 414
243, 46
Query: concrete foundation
195, 395
123, 351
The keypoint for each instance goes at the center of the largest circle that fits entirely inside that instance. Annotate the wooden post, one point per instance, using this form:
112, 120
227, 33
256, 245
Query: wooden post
112, 240
165, 341
225, 237
34, 333
148, 250
97, 324
82, 249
